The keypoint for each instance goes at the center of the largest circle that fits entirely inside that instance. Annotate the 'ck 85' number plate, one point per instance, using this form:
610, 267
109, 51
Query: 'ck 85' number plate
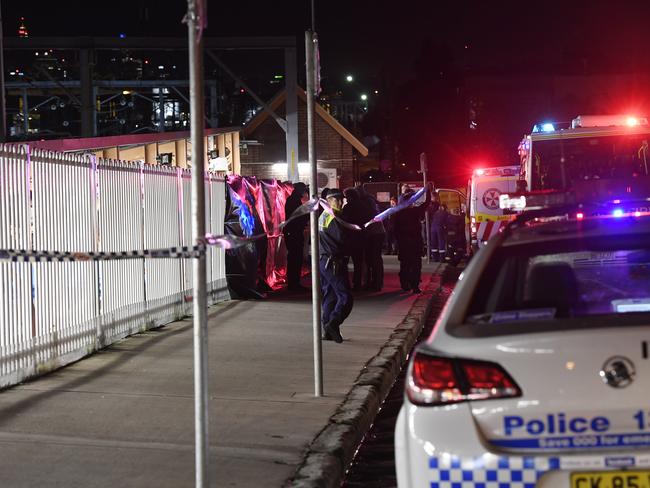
611, 479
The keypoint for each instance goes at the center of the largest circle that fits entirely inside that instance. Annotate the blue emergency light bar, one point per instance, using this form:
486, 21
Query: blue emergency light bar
544, 127
532, 201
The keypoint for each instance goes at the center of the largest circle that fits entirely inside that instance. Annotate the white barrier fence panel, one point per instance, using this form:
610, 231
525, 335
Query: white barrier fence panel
121, 219
163, 277
16, 321
185, 188
216, 257
53, 313
65, 298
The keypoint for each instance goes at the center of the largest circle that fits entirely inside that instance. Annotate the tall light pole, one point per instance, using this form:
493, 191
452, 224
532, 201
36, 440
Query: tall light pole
427, 231
313, 220
195, 22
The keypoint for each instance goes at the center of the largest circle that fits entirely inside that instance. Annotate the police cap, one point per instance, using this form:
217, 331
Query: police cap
335, 193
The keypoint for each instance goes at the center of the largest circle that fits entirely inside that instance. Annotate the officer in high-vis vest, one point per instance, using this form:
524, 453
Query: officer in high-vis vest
334, 240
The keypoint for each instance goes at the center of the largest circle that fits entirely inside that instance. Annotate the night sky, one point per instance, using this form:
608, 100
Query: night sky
402, 45
367, 36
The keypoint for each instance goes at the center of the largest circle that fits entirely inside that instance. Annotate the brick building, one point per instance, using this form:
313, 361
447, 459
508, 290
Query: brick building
263, 146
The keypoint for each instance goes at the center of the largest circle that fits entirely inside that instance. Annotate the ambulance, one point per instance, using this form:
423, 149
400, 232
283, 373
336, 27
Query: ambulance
486, 218
597, 157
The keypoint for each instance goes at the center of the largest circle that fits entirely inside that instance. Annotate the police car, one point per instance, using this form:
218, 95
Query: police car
537, 371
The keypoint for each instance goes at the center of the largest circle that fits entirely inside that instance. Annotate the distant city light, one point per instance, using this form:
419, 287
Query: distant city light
349, 78
22, 30
161, 66
376, 92
364, 97
122, 35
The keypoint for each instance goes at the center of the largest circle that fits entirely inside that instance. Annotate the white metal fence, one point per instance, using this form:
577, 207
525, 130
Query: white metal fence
53, 313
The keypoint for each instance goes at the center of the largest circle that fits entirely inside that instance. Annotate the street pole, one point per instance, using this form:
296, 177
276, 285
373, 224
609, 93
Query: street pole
427, 231
200, 303
313, 220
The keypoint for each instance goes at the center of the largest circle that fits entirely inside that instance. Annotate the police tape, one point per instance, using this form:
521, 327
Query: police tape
189, 252
405, 203
177, 252
23, 255
312, 205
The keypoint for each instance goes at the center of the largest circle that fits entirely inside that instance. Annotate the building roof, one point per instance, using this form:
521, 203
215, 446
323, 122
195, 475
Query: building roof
279, 99
90, 143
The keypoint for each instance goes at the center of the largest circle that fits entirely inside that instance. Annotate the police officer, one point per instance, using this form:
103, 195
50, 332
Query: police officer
334, 241
408, 229
439, 221
373, 242
355, 212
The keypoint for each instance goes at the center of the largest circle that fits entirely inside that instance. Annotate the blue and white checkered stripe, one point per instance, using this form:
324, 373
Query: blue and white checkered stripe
489, 471
28, 256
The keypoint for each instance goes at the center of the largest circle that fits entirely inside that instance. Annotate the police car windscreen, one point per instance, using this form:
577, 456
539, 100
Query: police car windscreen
562, 281
560, 163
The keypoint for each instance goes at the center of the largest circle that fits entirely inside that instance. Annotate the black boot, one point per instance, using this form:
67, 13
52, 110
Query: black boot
332, 328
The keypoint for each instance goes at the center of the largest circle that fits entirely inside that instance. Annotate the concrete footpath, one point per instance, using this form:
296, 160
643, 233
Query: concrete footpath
124, 417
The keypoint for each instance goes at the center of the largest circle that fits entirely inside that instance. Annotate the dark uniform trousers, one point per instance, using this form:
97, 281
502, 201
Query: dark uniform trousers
374, 262
295, 243
438, 244
335, 286
410, 271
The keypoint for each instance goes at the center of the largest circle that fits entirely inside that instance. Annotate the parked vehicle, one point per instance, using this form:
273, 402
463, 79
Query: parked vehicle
536, 372
484, 188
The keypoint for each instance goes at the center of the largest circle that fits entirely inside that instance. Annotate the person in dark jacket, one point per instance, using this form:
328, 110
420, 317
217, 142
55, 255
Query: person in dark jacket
389, 225
355, 212
333, 238
408, 230
294, 234
374, 236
